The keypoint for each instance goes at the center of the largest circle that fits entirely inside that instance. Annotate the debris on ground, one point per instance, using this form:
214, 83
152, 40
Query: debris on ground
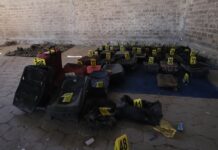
34, 49
166, 129
10, 43
153, 137
180, 127
208, 113
89, 141
167, 81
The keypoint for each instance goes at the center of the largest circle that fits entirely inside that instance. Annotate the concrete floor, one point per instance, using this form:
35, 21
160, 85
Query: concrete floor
19, 131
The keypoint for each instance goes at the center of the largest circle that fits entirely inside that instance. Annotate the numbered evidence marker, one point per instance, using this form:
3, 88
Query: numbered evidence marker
105, 111
186, 78
186, 50
139, 51
39, 61
137, 103
95, 53
111, 48
134, 50
193, 60
172, 51
108, 55
99, 84
158, 49
101, 48
122, 48
121, 143
192, 53
67, 97
151, 60
154, 52
91, 53
107, 47
127, 56
132, 43
79, 62
40, 51
170, 61
93, 62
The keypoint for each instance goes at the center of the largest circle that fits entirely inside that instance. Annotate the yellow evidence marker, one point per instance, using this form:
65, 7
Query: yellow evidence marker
139, 51
193, 60
137, 103
186, 50
79, 62
151, 60
39, 61
170, 61
186, 78
132, 43
134, 50
122, 49
101, 48
108, 55
172, 51
192, 53
111, 48
107, 47
154, 52
100, 84
158, 49
127, 56
67, 97
93, 62
121, 143
91, 53
105, 111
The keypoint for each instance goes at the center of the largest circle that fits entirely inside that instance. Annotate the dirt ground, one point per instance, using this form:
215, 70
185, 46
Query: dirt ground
19, 131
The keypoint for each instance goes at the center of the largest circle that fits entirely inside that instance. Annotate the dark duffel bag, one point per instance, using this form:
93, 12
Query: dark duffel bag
106, 57
101, 113
34, 88
166, 68
200, 70
167, 81
139, 110
127, 61
151, 68
99, 82
78, 69
70, 100
115, 71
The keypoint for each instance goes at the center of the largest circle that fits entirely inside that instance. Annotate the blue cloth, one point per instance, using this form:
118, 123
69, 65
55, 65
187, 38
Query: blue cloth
141, 82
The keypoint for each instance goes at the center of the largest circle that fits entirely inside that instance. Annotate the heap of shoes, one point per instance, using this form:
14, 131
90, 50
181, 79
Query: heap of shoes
34, 48
79, 91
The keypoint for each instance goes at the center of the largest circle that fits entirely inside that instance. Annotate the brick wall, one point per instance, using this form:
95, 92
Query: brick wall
36, 20
194, 22
201, 25
90, 21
